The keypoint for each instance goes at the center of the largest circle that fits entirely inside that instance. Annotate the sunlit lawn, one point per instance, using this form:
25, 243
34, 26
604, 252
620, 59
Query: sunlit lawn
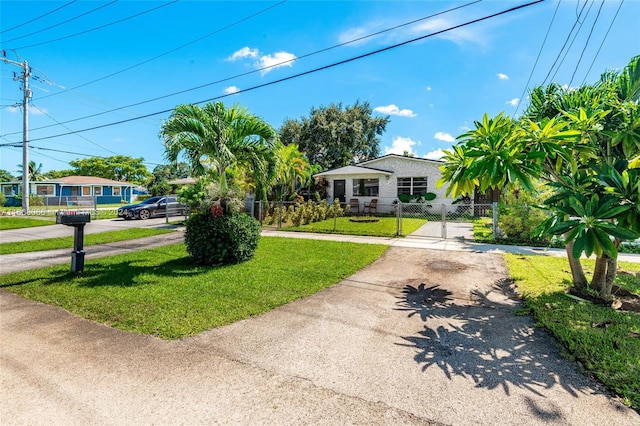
13, 222
89, 239
160, 292
385, 227
611, 353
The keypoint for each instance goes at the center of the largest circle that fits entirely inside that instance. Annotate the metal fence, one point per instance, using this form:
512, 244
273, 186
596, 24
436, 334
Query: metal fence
441, 220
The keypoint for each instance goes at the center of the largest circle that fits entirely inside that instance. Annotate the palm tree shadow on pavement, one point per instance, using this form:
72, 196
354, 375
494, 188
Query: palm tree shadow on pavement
484, 340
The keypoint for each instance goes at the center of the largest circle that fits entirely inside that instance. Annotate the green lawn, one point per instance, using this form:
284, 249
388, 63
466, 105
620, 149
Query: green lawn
483, 230
160, 292
17, 222
89, 239
385, 227
612, 353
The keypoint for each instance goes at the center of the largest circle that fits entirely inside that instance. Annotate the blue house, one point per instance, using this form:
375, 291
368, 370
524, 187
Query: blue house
71, 190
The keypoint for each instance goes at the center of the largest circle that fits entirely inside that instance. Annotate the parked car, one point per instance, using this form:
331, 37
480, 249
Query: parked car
154, 206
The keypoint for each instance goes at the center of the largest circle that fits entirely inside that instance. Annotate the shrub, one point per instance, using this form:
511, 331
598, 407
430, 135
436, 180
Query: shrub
518, 222
3, 199
223, 239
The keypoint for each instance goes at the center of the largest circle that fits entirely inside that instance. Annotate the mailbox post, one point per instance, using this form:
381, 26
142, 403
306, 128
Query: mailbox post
78, 219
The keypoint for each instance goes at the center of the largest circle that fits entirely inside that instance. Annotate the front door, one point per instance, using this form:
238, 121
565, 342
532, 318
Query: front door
338, 190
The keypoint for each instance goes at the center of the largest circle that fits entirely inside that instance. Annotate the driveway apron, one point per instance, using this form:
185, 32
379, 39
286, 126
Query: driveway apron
418, 337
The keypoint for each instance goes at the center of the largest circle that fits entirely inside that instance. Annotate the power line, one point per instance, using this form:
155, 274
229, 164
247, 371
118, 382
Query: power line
259, 69
99, 27
9, 146
538, 57
566, 53
601, 44
36, 18
565, 43
586, 43
512, 9
63, 22
172, 50
86, 139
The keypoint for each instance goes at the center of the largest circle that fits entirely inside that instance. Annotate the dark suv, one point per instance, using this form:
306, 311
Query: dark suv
154, 206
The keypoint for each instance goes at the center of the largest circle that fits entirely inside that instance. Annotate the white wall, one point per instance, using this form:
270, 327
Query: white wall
413, 167
402, 167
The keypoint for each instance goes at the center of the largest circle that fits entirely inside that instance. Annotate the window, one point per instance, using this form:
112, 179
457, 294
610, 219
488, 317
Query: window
412, 186
116, 190
45, 190
7, 190
86, 190
366, 187
97, 190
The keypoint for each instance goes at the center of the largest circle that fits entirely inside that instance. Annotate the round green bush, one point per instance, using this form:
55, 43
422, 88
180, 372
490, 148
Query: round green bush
221, 240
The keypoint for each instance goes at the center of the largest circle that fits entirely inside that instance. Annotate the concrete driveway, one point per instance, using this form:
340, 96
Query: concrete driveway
418, 337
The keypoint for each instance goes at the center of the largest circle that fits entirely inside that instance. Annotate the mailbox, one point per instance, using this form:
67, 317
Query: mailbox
78, 219
73, 217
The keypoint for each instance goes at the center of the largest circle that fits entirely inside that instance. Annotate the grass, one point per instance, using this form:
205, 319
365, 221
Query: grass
89, 239
386, 227
12, 222
611, 354
483, 230
160, 292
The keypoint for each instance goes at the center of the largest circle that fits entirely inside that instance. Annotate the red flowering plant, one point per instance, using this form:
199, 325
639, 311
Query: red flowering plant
216, 210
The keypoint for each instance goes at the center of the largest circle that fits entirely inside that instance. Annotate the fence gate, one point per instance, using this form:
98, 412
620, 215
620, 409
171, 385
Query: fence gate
446, 221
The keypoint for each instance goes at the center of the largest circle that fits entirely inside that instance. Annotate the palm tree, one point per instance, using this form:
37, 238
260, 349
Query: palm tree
35, 172
293, 168
215, 138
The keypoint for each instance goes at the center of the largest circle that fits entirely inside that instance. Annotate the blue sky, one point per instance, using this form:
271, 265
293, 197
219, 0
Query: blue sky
120, 60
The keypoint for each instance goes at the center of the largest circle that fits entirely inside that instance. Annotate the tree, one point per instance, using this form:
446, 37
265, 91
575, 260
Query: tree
55, 174
5, 176
118, 167
334, 137
217, 139
35, 172
293, 170
583, 142
158, 183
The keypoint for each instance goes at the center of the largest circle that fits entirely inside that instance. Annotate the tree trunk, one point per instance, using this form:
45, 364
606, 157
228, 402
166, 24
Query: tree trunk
577, 274
598, 283
612, 270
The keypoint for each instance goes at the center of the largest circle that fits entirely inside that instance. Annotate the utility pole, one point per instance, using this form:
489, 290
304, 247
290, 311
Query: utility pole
26, 73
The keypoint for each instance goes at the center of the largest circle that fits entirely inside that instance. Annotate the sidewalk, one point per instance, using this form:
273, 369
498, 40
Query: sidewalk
25, 261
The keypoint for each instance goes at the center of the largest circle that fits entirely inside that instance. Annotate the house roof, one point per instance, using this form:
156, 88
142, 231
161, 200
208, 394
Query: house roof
183, 181
402, 157
85, 180
354, 170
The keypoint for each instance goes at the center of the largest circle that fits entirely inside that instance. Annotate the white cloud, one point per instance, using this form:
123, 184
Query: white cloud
401, 145
442, 136
394, 110
231, 89
428, 88
264, 63
434, 155
458, 36
32, 110
245, 52
502, 76
277, 60
513, 102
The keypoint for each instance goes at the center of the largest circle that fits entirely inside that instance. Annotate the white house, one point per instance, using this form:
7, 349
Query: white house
385, 179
